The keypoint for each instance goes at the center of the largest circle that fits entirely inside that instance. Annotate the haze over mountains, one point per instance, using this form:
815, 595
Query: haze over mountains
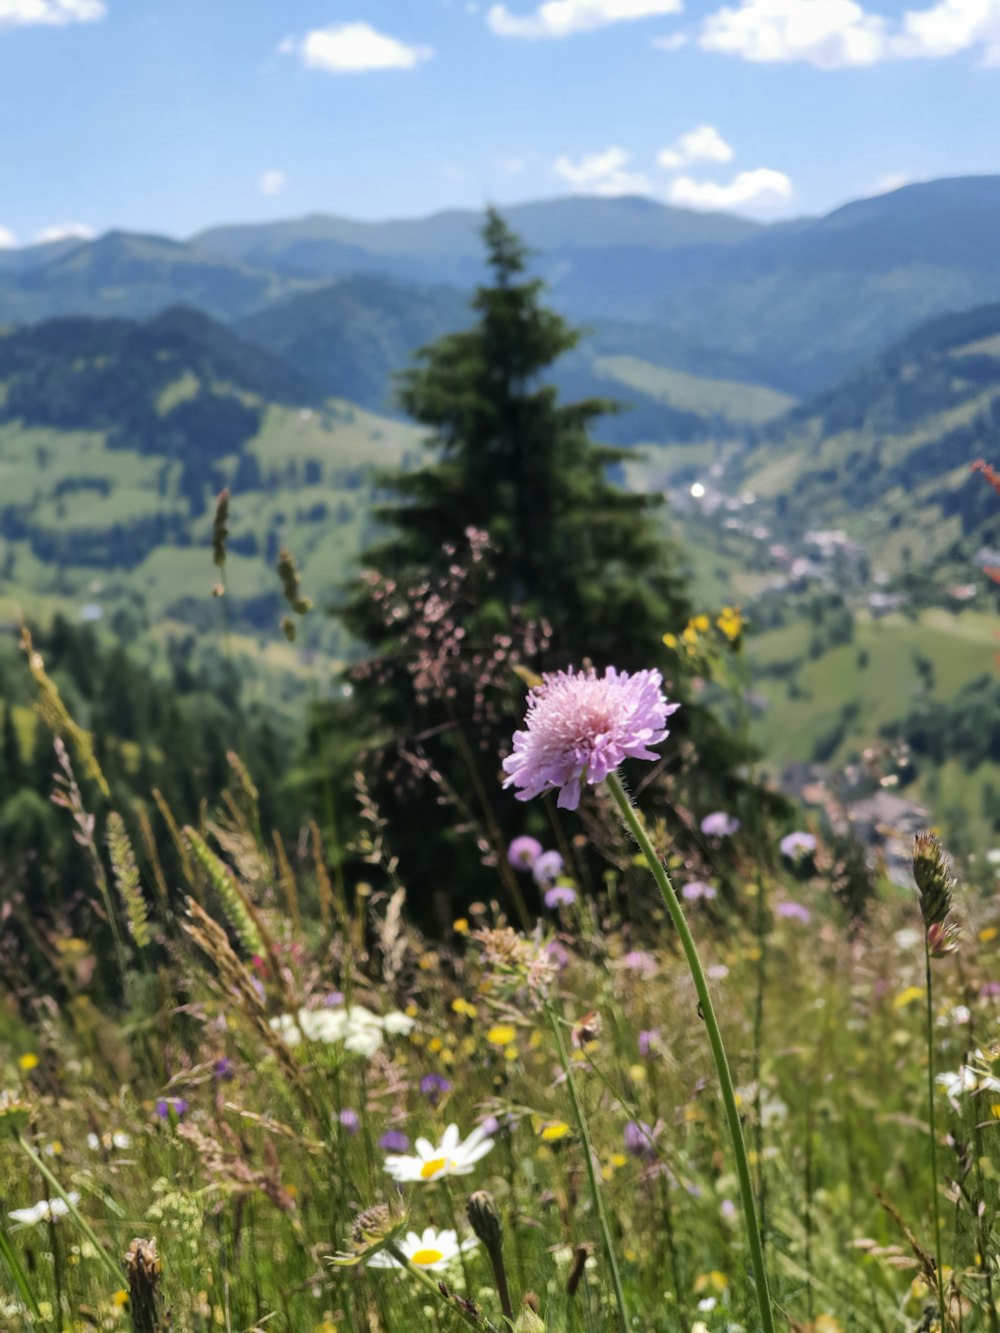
794, 305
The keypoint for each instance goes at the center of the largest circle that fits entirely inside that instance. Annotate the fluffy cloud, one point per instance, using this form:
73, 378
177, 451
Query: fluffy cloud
353, 48
562, 18
672, 43
50, 13
602, 173
272, 182
834, 34
64, 231
7, 239
748, 189
704, 144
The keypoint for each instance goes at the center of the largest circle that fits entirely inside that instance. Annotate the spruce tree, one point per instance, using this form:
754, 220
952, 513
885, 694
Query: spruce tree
509, 546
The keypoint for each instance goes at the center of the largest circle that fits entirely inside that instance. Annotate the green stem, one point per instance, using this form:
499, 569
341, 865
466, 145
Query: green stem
933, 1129
595, 1185
74, 1212
421, 1274
636, 827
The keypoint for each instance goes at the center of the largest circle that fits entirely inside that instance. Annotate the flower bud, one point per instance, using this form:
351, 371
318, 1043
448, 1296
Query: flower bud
485, 1220
528, 1322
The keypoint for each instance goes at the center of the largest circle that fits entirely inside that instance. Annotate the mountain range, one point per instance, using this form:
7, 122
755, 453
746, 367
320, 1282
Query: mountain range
794, 306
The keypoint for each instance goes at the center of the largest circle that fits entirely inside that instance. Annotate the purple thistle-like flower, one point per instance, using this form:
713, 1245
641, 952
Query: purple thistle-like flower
697, 889
172, 1107
720, 825
560, 896
581, 726
648, 1039
395, 1141
797, 845
793, 911
350, 1120
638, 960
523, 852
547, 869
434, 1087
333, 1000
640, 1139
224, 1069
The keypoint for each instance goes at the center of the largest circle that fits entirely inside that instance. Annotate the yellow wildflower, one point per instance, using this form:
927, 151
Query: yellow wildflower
730, 623
501, 1034
907, 997
554, 1130
27, 1063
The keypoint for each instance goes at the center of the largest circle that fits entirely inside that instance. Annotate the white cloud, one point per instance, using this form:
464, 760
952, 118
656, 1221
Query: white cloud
7, 239
704, 144
49, 13
749, 189
63, 231
834, 34
562, 18
672, 43
602, 173
827, 33
353, 48
272, 181
893, 180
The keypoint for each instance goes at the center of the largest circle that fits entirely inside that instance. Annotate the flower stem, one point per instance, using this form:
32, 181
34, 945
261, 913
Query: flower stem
473, 1319
595, 1185
933, 1129
634, 823
113, 1268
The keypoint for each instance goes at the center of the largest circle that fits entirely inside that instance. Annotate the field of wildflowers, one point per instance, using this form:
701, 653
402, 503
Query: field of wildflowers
709, 1093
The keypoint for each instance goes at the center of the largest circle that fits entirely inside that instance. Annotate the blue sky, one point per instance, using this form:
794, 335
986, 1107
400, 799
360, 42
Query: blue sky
171, 115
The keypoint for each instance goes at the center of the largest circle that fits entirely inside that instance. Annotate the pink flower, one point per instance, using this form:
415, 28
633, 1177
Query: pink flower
581, 726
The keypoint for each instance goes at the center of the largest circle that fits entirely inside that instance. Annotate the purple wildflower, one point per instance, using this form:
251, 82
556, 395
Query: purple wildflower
989, 990
224, 1069
560, 896
524, 852
172, 1108
797, 846
350, 1120
648, 1040
395, 1141
490, 1125
720, 825
547, 869
793, 911
434, 1087
640, 1139
333, 999
558, 954
637, 960
697, 889
580, 727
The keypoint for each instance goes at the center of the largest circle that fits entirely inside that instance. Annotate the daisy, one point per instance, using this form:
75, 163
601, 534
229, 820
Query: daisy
433, 1250
451, 1157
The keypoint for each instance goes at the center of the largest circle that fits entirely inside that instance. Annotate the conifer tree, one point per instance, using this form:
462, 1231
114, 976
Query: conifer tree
511, 545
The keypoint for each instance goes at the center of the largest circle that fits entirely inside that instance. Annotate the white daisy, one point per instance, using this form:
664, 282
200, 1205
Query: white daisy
451, 1157
43, 1211
433, 1250
358, 1028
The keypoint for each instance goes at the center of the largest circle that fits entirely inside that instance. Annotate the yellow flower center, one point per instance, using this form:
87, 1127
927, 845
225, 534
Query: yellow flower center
423, 1258
430, 1169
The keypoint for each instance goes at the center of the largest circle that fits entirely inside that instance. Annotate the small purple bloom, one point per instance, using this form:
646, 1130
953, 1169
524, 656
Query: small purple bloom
697, 889
333, 1000
561, 896
394, 1141
728, 1210
720, 825
579, 727
168, 1108
793, 911
797, 846
640, 1139
547, 869
558, 954
350, 1120
224, 1069
490, 1126
989, 990
648, 1040
524, 852
434, 1087
640, 961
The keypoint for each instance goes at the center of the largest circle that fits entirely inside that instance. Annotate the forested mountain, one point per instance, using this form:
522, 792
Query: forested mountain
794, 305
